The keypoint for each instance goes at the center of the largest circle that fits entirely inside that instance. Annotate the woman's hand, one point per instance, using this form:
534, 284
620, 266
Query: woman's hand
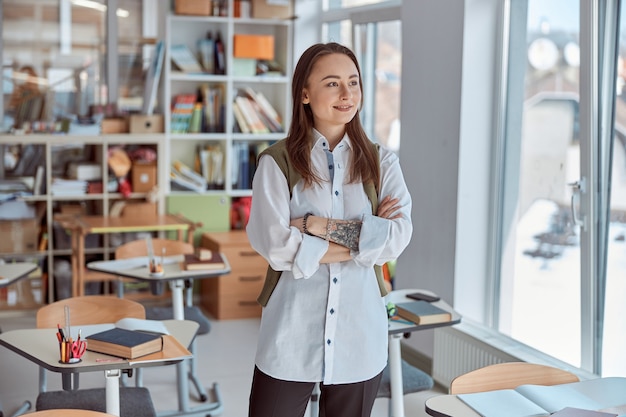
388, 207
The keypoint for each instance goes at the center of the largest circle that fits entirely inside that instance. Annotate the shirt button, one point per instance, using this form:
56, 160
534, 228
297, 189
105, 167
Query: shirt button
330, 167
328, 342
335, 280
332, 311
336, 192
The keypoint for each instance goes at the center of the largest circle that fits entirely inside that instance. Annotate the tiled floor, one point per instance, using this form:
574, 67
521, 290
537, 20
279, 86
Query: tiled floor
226, 357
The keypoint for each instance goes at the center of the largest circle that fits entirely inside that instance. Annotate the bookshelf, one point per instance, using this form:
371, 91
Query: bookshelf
43, 239
226, 151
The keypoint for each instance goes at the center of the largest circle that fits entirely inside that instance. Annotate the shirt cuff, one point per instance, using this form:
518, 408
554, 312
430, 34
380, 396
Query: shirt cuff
307, 260
370, 243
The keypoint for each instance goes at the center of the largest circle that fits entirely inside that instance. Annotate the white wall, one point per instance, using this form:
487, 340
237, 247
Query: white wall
447, 102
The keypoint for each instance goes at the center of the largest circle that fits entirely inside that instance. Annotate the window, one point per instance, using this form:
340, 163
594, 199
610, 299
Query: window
555, 280
61, 69
374, 34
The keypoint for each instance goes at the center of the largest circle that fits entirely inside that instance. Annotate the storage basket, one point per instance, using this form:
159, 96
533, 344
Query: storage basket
193, 7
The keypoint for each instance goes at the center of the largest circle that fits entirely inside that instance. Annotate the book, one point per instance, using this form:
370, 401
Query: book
184, 59
193, 263
422, 312
541, 400
127, 344
579, 412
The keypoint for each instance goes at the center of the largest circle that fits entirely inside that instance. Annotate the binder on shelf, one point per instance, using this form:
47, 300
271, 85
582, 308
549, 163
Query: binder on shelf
152, 79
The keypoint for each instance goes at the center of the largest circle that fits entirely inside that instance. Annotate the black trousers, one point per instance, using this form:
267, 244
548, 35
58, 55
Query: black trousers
271, 397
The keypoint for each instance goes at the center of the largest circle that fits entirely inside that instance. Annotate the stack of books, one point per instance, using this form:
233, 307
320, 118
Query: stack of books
254, 113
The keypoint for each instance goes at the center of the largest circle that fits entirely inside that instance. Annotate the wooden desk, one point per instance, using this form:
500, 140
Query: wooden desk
608, 393
81, 226
41, 347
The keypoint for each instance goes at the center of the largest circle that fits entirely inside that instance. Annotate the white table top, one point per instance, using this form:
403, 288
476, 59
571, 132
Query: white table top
137, 268
41, 346
399, 296
13, 272
605, 391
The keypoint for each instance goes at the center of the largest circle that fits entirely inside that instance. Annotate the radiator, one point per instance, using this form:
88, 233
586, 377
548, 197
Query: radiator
457, 352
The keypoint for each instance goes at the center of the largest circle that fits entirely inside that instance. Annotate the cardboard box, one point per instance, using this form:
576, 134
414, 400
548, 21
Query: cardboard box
193, 7
144, 123
21, 235
144, 177
262, 10
114, 125
254, 46
139, 209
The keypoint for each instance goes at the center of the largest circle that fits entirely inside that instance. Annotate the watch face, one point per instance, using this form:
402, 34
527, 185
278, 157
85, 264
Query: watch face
543, 54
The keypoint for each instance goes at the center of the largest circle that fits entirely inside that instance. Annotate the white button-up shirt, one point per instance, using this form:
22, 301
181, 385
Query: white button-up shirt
325, 322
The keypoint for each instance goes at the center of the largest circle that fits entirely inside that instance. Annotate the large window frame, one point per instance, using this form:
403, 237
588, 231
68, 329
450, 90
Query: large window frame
598, 45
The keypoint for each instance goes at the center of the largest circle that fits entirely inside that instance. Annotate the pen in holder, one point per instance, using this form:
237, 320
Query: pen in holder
71, 351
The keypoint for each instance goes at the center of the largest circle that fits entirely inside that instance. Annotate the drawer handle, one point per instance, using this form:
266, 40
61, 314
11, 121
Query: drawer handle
248, 253
248, 303
251, 279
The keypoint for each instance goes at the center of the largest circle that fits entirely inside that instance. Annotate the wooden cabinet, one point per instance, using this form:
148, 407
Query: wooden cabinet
233, 296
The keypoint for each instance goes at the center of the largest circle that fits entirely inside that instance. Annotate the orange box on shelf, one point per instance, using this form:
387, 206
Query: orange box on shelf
254, 46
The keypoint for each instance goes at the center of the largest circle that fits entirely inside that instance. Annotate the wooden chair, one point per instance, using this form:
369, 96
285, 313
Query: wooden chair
68, 412
138, 248
509, 375
85, 310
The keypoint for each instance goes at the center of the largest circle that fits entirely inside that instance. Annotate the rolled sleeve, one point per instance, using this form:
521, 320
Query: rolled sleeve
307, 260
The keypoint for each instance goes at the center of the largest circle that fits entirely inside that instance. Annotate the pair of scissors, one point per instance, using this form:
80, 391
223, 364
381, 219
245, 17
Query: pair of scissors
78, 348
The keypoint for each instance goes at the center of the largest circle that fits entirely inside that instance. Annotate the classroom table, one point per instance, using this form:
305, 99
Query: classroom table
81, 226
10, 273
607, 392
137, 268
29, 343
398, 330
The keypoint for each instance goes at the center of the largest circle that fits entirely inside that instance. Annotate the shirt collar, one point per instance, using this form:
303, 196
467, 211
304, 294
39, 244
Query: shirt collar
319, 140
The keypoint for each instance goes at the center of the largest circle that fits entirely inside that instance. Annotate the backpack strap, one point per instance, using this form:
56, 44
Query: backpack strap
278, 151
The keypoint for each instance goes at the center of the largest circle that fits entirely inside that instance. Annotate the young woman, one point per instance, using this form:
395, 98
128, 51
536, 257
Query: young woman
327, 206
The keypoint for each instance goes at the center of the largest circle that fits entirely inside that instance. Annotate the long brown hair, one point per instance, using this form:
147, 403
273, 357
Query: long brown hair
365, 166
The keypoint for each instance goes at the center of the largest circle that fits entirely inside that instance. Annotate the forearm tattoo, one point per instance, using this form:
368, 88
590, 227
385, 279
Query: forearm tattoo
344, 232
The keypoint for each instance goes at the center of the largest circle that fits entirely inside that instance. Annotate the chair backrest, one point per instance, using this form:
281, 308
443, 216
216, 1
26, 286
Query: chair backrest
139, 248
509, 375
89, 309
68, 412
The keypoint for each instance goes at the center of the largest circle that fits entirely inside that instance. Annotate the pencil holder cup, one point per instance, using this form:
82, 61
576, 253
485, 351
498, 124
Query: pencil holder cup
71, 352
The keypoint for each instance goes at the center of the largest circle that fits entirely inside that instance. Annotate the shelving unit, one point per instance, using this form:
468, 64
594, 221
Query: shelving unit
188, 30
211, 207
95, 149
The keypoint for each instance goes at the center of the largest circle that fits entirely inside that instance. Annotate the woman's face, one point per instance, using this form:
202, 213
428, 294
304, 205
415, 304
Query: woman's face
333, 93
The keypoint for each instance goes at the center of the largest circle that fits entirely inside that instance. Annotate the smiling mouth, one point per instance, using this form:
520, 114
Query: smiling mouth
343, 107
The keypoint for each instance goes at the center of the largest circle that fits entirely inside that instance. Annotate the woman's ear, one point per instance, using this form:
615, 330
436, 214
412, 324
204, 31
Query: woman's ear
305, 97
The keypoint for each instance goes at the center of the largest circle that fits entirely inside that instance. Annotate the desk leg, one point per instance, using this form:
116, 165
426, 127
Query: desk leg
112, 389
395, 376
177, 288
